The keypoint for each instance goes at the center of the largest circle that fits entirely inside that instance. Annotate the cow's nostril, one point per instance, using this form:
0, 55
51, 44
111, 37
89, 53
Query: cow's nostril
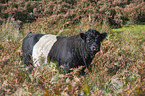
96, 49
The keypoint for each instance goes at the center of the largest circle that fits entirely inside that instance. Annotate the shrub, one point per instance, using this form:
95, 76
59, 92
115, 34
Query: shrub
116, 12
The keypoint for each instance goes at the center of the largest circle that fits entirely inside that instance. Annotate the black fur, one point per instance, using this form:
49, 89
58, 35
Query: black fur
76, 50
27, 46
70, 51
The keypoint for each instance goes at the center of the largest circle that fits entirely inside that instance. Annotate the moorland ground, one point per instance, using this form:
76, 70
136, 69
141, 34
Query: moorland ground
118, 69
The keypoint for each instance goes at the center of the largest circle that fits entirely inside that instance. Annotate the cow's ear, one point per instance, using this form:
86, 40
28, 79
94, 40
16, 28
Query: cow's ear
83, 36
103, 35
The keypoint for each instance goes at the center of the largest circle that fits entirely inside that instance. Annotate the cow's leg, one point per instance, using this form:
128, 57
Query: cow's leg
66, 67
27, 59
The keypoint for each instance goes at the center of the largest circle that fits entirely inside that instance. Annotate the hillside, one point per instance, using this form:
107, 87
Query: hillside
115, 12
117, 70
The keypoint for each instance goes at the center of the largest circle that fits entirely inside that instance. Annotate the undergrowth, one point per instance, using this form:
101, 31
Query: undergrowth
117, 70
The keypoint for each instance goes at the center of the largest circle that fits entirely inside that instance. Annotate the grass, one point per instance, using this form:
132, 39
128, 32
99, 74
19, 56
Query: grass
118, 69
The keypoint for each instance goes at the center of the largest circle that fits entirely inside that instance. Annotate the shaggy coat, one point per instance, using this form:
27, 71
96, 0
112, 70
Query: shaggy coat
71, 52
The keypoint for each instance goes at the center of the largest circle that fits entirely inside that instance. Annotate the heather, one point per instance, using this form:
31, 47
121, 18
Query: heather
117, 70
115, 12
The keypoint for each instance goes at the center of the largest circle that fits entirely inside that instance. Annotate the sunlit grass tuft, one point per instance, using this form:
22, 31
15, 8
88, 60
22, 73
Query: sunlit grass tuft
10, 30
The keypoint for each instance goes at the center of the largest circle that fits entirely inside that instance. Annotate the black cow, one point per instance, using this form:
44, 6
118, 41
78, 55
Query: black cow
71, 52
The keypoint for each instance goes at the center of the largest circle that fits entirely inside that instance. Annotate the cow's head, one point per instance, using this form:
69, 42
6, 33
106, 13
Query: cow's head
93, 39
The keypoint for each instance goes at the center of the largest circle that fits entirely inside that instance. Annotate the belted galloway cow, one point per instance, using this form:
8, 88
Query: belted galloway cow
71, 52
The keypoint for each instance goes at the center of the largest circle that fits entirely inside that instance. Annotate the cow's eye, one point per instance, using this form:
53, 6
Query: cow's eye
96, 40
88, 41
